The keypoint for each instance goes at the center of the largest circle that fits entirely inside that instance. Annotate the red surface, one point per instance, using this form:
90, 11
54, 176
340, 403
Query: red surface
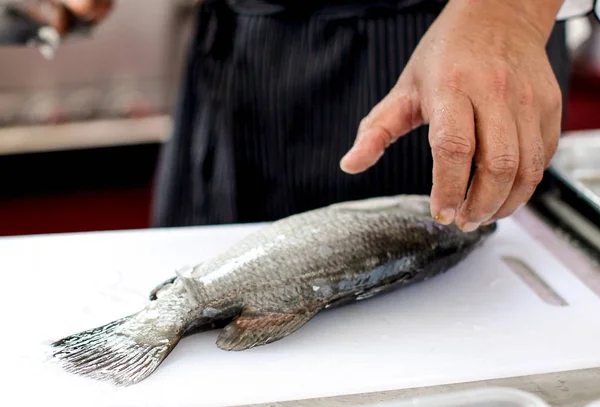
76, 212
112, 209
583, 111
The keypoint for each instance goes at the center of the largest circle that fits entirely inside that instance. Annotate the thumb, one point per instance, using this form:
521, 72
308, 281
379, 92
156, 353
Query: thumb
397, 114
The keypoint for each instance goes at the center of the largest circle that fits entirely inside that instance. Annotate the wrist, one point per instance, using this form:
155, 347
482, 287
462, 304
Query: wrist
538, 15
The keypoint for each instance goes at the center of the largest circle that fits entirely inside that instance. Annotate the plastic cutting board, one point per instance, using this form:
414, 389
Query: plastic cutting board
478, 321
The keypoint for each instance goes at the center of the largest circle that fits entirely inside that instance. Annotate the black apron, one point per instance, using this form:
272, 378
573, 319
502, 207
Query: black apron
271, 99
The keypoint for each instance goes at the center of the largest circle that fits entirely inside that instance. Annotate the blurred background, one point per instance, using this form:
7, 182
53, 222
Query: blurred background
80, 135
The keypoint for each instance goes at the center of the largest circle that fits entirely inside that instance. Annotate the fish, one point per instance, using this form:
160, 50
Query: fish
269, 284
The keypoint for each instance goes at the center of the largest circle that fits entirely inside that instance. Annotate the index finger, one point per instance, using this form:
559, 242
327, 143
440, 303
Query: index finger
394, 116
452, 140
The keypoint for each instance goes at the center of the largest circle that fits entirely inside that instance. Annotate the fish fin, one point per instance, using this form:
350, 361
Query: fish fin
111, 353
154, 293
179, 274
255, 328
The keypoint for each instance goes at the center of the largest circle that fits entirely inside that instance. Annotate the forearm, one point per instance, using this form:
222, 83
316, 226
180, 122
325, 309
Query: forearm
540, 15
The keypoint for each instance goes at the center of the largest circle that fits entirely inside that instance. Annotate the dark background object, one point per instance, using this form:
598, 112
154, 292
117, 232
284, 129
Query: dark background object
109, 187
15, 28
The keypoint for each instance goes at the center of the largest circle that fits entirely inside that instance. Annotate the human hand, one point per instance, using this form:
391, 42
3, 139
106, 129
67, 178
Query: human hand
90, 11
60, 14
481, 79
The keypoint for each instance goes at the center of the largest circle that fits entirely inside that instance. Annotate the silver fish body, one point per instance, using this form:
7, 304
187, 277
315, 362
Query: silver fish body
271, 283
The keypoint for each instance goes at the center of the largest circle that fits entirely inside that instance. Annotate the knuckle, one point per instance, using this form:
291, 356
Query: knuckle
549, 152
502, 168
500, 80
555, 104
555, 99
527, 96
551, 139
383, 138
531, 177
364, 124
452, 148
407, 107
454, 79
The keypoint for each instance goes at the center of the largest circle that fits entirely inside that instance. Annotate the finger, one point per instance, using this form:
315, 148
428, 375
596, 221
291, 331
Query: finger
452, 140
497, 161
397, 114
532, 159
552, 125
90, 10
538, 137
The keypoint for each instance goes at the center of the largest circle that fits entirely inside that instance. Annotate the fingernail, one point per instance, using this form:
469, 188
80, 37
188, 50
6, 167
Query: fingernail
470, 227
488, 222
345, 159
357, 160
348, 165
445, 216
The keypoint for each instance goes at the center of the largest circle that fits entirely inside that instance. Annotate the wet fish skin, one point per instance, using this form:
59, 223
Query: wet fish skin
271, 283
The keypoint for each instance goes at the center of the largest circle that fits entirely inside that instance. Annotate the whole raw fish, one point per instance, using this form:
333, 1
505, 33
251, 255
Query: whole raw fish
274, 281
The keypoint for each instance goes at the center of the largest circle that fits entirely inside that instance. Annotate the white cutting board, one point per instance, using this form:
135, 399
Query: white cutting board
478, 321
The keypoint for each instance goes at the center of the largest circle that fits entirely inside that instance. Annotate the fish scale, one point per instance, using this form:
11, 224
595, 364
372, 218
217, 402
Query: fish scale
271, 283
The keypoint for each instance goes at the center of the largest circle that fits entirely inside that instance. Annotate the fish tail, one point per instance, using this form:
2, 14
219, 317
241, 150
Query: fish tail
114, 352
